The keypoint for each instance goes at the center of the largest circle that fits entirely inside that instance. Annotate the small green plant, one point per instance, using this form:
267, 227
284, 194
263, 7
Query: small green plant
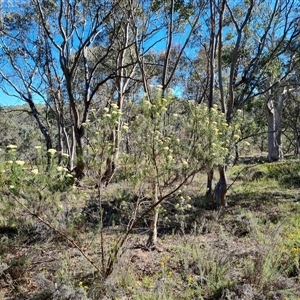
291, 247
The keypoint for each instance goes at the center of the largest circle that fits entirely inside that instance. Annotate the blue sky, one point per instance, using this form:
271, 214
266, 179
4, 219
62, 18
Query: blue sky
6, 100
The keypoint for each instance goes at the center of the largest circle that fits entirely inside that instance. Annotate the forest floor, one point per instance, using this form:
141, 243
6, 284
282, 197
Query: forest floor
250, 250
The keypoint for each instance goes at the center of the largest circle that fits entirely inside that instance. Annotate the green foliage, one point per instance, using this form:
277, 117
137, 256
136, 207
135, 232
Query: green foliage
19, 129
180, 142
287, 173
160, 140
291, 247
37, 186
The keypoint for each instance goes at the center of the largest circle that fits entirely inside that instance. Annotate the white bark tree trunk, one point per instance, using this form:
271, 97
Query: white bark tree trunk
274, 116
152, 238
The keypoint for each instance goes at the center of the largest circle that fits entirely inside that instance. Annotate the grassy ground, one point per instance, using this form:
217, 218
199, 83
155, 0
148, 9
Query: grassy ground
250, 250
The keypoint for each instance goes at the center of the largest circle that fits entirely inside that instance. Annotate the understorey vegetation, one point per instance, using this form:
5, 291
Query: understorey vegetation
149, 149
150, 230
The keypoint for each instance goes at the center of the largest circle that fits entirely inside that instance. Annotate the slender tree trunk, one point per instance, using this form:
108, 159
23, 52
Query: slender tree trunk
235, 54
42, 128
60, 143
70, 147
297, 144
80, 165
152, 239
212, 54
221, 188
274, 117
210, 177
237, 155
210, 173
220, 65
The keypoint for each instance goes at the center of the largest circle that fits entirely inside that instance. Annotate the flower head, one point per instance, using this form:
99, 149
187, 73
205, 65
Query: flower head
52, 151
11, 147
169, 157
115, 106
125, 127
35, 171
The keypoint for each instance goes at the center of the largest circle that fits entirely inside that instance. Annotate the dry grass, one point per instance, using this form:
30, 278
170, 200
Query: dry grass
249, 251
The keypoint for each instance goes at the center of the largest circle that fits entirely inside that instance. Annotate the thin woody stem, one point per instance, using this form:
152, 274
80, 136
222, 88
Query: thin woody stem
70, 240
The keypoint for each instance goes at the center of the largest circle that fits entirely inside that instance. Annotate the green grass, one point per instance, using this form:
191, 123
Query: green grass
248, 250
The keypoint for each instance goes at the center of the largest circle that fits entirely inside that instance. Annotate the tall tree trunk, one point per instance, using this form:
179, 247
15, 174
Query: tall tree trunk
213, 38
274, 117
220, 64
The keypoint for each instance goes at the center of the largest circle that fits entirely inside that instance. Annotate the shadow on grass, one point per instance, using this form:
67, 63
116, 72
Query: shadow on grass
255, 198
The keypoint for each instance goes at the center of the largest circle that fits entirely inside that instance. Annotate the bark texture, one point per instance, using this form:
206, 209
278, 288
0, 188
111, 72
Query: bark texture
221, 188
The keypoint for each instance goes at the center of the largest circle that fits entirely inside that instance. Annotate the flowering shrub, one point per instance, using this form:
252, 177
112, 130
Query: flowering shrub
38, 186
170, 138
157, 147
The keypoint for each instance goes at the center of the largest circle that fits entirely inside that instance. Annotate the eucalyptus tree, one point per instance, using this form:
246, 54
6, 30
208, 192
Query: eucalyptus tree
277, 75
251, 36
51, 48
20, 61
73, 29
245, 45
